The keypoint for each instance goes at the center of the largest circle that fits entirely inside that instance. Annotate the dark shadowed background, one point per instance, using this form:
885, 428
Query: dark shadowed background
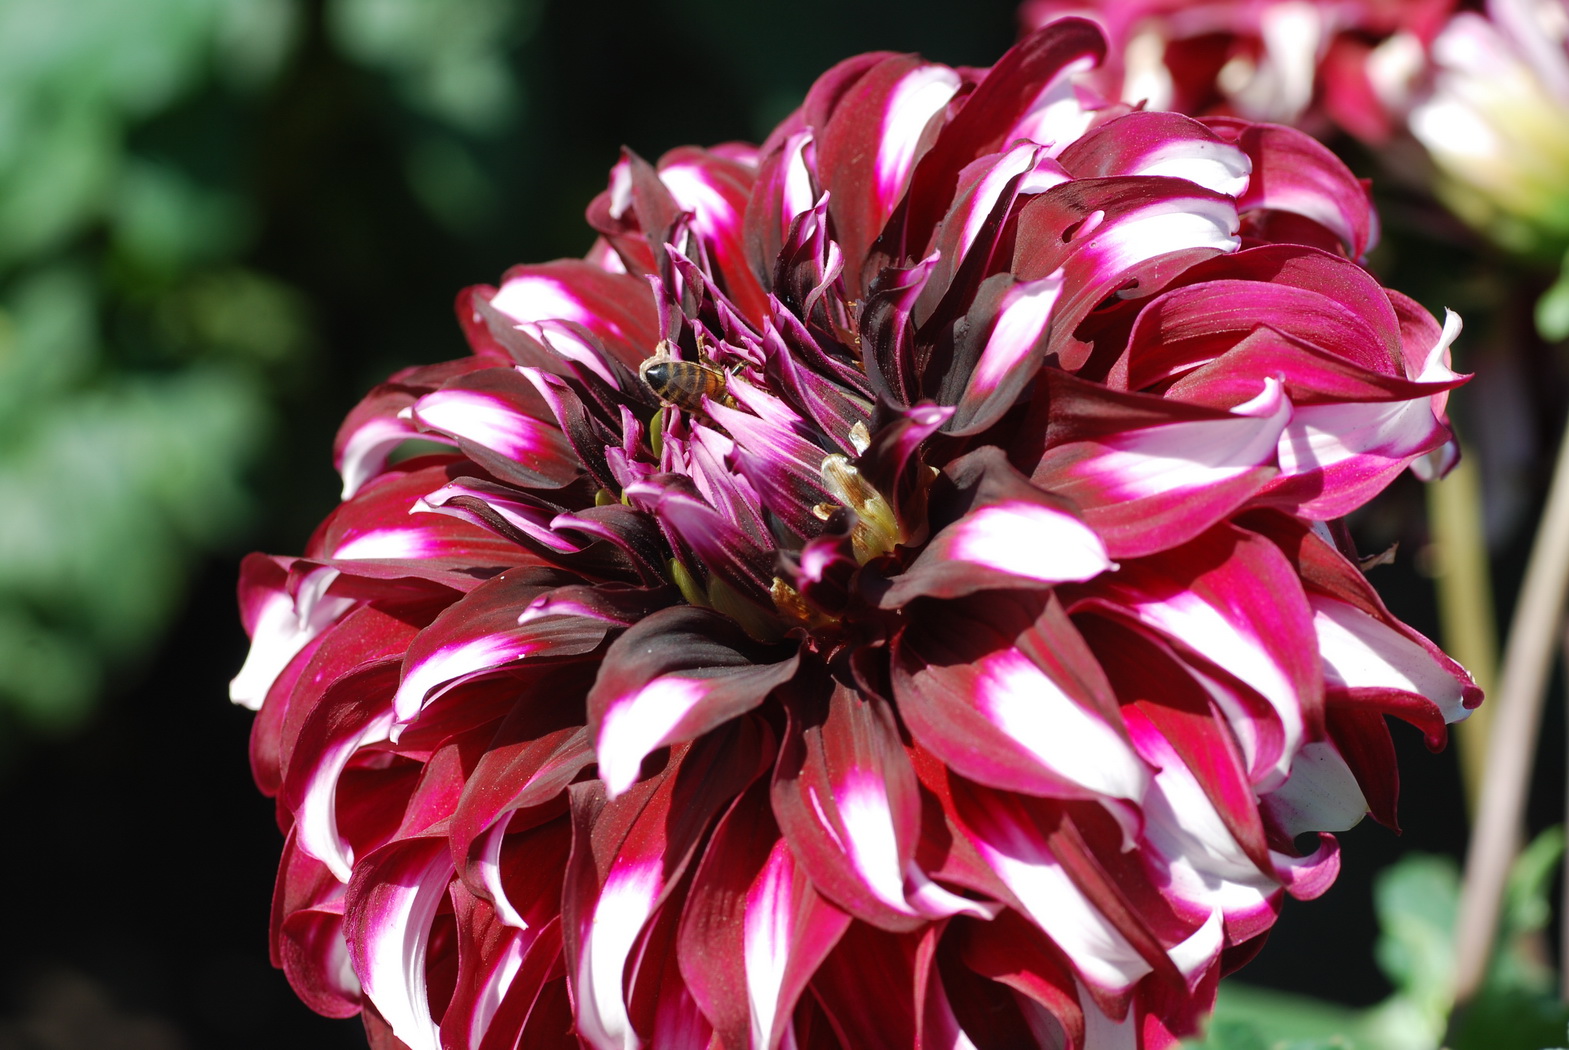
221, 221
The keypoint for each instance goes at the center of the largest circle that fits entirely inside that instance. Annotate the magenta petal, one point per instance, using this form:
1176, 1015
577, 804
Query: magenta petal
1003, 699
992, 115
1008, 533
502, 423
1149, 474
616, 308
392, 903
1166, 144
1294, 173
481, 635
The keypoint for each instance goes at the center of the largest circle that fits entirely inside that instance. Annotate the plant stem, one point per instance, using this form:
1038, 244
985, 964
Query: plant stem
1534, 632
1465, 605
1563, 899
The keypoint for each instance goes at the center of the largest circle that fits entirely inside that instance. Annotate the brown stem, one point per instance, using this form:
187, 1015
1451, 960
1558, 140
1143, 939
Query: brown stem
1517, 709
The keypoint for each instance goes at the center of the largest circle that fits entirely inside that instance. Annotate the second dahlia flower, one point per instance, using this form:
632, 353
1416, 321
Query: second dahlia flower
1308, 63
885, 595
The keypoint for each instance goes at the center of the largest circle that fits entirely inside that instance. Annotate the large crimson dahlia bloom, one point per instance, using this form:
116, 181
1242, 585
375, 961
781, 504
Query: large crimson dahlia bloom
881, 597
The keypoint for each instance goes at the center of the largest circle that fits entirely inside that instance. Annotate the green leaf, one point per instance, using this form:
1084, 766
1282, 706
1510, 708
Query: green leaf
1552, 309
1251, 1018
1415, 900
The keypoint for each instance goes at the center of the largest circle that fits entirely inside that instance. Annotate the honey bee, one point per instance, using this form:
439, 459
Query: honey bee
682, 383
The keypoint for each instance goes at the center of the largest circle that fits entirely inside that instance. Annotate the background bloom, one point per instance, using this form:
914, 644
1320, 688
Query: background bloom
881, 593
1495, 122
1308, 63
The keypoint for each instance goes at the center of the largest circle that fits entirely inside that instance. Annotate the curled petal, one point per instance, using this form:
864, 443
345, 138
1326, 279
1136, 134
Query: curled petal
1013, 698
673, 676
392, 905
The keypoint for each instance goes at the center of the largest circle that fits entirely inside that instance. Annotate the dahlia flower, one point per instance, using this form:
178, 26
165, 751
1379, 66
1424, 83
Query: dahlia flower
1309, 63
884, 595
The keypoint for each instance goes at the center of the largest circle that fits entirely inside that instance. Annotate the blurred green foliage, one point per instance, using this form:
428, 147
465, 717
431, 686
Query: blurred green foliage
142, 347
1416, 901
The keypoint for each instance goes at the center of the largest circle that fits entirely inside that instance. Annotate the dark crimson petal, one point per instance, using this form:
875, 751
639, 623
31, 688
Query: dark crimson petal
825, 571
1316, 298
1127, 237
489, 955
548, 534
1013, 952
842, 390
755, 929
868, 988
974, 241
824, 95
1065, 863
847, 800
1367, 652
391, 904
998, 348
716, 190
1004, 691
808, 277
521, 780
282, 621
1169, 144
1362, 737
1297, 266
377, 425
892, 464
328, 723
672, 677
629, 854
785, 188
888, 332
900, 96
525, 1015
706, 536
307, 934
378, 526
1147, 677
636, 214
588, 435
633, 532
